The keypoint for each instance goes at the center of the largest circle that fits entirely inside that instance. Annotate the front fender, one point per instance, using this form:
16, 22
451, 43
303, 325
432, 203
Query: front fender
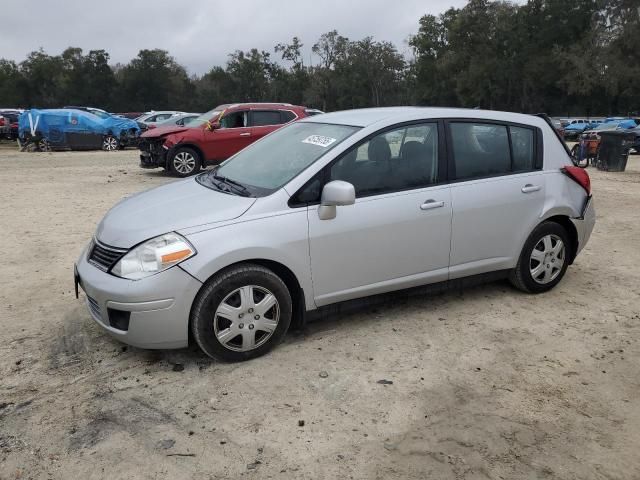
279, 237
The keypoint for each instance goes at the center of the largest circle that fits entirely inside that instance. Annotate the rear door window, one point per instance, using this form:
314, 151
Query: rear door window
487, 149
261, 118
522, 143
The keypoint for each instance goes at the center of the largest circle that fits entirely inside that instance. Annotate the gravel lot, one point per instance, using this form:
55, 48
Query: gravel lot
488, 383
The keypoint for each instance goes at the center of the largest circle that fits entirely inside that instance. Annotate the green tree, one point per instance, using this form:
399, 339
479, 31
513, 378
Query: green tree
154, 80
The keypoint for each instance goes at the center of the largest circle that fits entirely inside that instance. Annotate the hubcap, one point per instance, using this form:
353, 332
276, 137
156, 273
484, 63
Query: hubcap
184, 162
547, 259
246, 318
110, 143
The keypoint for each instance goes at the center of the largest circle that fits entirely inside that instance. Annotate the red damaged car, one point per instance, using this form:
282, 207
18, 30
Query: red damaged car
214, 136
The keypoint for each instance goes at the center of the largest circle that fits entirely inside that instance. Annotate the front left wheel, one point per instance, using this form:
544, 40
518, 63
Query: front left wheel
241, 313
184, 162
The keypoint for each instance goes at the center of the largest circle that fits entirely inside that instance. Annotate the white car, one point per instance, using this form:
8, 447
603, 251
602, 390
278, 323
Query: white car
332, 208
154, 118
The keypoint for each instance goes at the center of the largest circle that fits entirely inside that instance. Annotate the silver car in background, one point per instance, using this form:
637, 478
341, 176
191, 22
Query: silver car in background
332, 208
152, 119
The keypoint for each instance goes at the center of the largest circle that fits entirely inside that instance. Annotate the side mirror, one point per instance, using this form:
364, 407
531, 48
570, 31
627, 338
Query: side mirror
212, 126
335, 194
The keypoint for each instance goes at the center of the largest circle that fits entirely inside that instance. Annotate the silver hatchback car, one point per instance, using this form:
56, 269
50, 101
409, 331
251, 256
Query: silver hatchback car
332, 208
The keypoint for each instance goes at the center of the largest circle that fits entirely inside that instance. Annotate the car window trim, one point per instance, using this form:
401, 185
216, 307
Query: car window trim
442, 176
537, 154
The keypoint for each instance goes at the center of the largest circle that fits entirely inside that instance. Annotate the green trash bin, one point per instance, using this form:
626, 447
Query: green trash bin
614, 148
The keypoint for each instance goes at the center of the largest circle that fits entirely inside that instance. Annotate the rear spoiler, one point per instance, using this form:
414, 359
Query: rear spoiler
546, 118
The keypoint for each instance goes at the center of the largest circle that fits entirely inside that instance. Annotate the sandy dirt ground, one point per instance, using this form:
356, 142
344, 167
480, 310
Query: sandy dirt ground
488, 383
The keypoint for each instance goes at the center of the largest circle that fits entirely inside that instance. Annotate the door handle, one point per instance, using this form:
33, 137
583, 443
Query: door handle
528, 188
247, 134
431, 204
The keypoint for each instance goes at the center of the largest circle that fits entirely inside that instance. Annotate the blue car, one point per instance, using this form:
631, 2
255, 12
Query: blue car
574, 130
76, 129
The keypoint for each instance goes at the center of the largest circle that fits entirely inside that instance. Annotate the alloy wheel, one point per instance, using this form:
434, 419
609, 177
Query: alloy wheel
246, 318
547, 259
184, 162
110, 144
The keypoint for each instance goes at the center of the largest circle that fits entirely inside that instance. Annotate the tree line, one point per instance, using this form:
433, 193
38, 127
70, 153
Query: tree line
579, 57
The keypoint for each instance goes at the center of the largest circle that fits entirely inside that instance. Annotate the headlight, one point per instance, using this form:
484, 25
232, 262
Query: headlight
154, 256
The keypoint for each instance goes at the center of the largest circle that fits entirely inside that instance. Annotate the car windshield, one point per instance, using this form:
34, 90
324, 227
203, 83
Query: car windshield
607, 126
205, 117
100, 114
267, 165
191, 121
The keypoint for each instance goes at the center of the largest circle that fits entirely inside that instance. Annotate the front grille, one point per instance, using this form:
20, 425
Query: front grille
94, 308
104, 257
144, 146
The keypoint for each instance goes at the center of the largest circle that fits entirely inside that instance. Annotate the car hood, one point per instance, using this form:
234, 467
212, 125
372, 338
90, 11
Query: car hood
167, 208
162, 131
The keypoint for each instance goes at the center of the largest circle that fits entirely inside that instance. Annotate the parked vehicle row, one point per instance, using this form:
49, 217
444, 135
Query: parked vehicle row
214, 136
589, 141
575, 130
329, 209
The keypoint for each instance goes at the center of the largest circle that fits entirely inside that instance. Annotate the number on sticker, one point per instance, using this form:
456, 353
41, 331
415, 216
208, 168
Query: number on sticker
319, 140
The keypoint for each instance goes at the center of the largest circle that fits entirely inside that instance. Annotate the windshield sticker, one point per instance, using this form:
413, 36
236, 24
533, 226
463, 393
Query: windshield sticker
319, 140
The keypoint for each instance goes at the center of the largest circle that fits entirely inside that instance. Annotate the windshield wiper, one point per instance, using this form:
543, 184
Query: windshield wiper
227, 185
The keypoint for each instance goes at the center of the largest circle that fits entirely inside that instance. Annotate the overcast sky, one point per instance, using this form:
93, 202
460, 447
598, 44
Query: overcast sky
200, 33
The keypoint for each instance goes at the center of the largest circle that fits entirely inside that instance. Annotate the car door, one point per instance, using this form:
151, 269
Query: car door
397, 234
497, 193
233, 135
263, 122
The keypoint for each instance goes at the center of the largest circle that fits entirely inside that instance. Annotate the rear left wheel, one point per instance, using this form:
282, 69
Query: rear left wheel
544, 259
241, 313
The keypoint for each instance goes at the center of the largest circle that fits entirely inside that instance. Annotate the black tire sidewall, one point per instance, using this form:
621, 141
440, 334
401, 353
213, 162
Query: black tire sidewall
538, 233
195, 154
214, 291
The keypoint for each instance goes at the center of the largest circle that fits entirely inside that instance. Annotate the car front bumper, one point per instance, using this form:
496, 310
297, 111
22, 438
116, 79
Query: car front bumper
152, 154
584, 223
157, 307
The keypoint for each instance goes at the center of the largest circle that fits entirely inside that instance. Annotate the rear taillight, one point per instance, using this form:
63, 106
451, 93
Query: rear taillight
1, 121
580, 176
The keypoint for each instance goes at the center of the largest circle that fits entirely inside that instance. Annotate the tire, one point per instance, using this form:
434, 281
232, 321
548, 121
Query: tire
110, 143
575, 150
227, 319
43, 145
185, 162
541, 274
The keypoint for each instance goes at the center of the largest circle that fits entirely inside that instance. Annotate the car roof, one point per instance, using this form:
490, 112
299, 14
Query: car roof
257, 105
368, 116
